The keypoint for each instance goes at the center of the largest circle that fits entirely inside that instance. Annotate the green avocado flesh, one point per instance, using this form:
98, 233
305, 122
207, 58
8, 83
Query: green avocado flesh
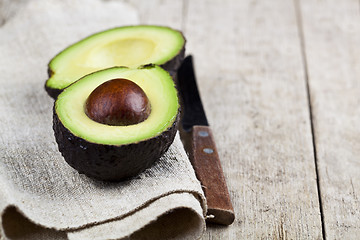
130, 46
154, 81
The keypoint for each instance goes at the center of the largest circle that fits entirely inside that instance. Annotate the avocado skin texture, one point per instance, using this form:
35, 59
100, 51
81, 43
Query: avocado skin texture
52, 92
110, 162
174, 64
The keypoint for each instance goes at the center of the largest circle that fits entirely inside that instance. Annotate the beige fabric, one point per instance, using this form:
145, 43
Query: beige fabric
41, 197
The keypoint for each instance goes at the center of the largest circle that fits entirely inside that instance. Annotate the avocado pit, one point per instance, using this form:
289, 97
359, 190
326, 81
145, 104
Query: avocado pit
118, 102
115, 153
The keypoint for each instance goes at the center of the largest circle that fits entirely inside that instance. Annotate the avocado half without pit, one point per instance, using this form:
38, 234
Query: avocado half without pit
114, 123
130, 46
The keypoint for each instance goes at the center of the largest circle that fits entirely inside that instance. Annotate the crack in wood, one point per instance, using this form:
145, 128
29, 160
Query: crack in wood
306, 73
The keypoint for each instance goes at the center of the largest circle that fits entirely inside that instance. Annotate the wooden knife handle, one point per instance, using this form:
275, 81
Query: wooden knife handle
205, 160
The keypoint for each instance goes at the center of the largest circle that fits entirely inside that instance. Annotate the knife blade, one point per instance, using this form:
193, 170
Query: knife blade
200, 145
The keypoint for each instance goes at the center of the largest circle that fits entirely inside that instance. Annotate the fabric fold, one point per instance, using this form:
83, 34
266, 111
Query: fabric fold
176, 216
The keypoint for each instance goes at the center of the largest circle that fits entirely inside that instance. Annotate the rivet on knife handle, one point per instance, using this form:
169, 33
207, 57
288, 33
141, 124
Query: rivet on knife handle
206, 162
200, 145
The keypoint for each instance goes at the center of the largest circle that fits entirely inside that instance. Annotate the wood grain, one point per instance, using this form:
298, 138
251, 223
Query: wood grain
162, 12
250, 72
248, 60
205, 160
332, 48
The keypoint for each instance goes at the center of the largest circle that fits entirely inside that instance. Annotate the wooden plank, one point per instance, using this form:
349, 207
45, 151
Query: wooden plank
250, 72
332, 41
161, 12
261, 98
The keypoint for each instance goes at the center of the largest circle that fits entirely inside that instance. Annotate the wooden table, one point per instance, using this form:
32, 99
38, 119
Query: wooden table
280, 81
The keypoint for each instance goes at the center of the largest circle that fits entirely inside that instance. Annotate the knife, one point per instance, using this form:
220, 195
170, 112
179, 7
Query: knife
200, 145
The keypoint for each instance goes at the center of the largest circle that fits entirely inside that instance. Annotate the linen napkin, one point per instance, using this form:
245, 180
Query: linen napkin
41, 197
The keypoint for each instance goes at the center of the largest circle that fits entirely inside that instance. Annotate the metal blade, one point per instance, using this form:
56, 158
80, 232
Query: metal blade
193, 110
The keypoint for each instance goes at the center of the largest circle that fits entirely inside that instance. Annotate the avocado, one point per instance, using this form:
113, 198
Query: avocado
105, 144
130, 46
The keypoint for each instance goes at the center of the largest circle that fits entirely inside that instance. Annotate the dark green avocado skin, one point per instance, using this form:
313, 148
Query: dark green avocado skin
109, 162
171, 66
53, 92
174, 64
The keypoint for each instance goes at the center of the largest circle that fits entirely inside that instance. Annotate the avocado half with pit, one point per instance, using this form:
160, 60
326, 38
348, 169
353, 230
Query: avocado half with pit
130, 46
112, 142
